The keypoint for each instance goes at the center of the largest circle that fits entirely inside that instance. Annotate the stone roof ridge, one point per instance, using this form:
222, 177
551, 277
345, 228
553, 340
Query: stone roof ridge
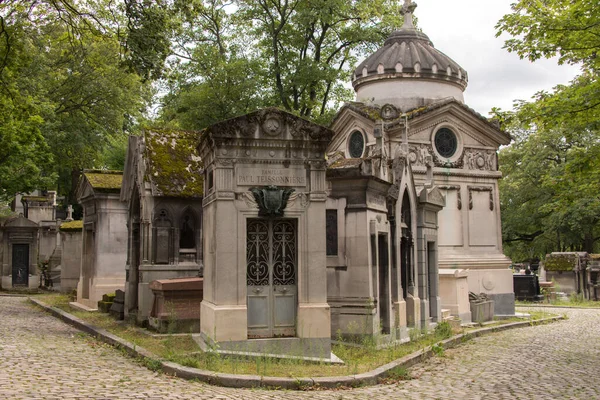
20, 222
262, 122
372, 112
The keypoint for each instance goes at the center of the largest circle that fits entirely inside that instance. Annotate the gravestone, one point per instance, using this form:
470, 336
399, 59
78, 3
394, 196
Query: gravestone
118, 305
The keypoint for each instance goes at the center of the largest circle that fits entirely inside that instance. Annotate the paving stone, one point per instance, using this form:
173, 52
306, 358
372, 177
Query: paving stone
44, 358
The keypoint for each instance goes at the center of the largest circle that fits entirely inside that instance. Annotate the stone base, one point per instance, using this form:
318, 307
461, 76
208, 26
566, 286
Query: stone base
293, 347
224, 323
413, 311
34, 282
314, 321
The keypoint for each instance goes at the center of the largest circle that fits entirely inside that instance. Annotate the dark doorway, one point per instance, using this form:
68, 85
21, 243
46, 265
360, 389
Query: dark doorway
384, 284
20, 265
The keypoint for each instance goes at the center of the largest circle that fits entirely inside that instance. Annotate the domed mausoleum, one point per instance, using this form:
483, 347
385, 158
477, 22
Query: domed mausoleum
423, 167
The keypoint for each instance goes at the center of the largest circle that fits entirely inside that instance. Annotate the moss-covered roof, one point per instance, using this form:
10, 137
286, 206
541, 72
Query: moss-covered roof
346, 163
105, 181
561, 262
71, 226
39, 199
174, 167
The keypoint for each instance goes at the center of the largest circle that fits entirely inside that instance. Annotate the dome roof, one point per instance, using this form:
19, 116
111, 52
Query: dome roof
409, 54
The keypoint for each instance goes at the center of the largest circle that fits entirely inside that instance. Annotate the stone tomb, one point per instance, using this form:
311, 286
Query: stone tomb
104, 236
265, 281
19, 239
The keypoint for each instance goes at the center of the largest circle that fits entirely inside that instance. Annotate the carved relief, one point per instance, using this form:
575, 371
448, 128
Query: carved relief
480, 189
272, 125
418, 153
248, 198
480, 159
303, 199
389, 112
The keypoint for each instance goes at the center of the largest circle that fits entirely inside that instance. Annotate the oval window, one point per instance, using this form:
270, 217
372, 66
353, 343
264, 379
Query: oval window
356, 145
445, 142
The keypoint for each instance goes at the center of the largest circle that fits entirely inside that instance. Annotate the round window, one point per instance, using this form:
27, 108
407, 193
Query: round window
445, 142
356, 145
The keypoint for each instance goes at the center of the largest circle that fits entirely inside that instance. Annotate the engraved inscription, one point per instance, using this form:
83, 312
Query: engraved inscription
271, 176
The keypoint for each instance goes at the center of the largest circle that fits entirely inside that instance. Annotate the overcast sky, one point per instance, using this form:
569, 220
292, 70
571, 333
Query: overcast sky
464, 30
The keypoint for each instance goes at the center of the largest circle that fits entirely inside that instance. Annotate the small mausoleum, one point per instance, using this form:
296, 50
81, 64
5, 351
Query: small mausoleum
19, 253
162, 188
264, 234
104, 236
410, 106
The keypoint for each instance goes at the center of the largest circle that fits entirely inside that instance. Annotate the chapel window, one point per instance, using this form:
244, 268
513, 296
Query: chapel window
187, 238
163, 237
356, 144
331, 232
446, 142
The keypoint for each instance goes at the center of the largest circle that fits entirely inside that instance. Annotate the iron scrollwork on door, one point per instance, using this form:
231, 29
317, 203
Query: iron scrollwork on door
257, 253
279, 236
284, 253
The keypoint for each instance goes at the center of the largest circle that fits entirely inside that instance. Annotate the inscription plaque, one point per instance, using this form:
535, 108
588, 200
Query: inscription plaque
259, 176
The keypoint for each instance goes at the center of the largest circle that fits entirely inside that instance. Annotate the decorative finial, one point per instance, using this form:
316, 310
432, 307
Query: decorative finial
407, 11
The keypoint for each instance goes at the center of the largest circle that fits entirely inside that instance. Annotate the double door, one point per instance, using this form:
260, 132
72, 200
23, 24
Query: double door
272, 256
20, 265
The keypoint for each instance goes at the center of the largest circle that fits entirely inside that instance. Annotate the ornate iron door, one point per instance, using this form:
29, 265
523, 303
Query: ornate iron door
20, 264
271, 277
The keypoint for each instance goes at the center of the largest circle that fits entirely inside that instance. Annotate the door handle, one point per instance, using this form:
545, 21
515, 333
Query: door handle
257, 290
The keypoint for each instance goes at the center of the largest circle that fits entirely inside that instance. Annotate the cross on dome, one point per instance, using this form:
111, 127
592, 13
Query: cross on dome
407, 10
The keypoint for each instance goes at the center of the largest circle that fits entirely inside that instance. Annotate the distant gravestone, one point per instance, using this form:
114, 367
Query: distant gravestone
117, 309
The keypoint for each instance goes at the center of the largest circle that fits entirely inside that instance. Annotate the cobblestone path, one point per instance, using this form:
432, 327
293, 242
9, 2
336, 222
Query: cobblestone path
43, 358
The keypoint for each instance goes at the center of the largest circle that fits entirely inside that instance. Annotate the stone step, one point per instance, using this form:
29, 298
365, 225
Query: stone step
446, 314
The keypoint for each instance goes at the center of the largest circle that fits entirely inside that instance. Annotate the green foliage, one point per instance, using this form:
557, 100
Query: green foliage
550, 192
569, 30
294, 54
443, 330
66, 99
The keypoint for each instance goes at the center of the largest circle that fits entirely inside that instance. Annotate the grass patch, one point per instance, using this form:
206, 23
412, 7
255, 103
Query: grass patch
183, 350
573, 301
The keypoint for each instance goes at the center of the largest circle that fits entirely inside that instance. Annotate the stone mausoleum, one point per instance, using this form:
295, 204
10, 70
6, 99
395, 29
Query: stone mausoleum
303, 233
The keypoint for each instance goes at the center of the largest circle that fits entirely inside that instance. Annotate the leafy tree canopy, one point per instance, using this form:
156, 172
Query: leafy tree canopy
296, 54
66, 90
550, 193
569, 30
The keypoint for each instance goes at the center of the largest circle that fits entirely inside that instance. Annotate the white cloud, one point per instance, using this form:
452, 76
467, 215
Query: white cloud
464, 30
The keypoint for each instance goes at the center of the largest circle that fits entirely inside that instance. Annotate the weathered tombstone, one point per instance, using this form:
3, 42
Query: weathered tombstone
527, 287
176, 305
482, 307
118, 305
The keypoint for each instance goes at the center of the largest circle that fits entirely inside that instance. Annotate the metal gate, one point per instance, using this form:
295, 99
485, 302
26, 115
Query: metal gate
271, 251
20, 265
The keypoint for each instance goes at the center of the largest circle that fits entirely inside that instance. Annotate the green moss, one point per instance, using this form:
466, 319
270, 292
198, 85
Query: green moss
174, 166
560, 262
71, 226
105, 181
36, 198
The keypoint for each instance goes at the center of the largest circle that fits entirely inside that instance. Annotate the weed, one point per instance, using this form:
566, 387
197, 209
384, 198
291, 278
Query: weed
152, 364
443, 330
438, 349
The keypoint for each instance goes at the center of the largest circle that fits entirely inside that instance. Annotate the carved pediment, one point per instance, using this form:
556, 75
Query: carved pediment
432, 196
